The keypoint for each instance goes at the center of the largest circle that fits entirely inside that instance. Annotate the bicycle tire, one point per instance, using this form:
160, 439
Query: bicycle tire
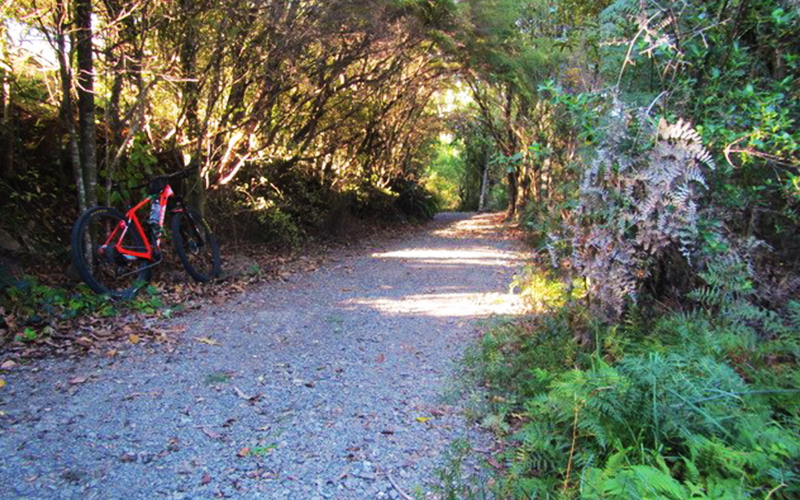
196, 245
110, 273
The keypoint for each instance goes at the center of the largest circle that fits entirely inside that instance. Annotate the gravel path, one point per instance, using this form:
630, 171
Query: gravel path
326, 386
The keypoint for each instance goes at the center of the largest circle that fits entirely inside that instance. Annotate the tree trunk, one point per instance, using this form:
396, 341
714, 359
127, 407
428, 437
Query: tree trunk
510, 148
6, 126
511, 178
484, 187
86, 118
67, 108
6, 116
191, 100
113, 123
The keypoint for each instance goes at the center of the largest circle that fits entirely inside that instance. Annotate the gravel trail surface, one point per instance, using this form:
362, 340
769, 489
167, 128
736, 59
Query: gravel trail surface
325, 386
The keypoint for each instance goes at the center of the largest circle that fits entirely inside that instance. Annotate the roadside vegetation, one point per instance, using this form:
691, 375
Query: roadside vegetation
651, 151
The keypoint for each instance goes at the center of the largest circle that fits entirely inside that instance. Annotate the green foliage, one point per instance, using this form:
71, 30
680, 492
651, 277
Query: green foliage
544, 291
650, 410
38, 302
414, 200
443, 175
217, 378
279, 227
691, 390
38, 309
453, 484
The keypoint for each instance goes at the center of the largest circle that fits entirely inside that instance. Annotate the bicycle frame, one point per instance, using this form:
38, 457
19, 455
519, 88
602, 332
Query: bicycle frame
124, 226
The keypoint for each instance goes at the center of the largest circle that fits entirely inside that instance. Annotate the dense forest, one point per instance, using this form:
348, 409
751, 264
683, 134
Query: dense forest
651, 151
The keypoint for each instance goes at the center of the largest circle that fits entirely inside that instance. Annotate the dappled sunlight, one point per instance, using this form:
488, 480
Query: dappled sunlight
475, 257
476, 227
465, 279
461, 305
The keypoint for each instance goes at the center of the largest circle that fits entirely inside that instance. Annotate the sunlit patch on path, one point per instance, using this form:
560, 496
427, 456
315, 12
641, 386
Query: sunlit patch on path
466, 305
472, 257
446, 264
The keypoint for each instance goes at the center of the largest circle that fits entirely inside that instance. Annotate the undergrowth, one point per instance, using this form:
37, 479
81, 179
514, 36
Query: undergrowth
658, 405
33, 313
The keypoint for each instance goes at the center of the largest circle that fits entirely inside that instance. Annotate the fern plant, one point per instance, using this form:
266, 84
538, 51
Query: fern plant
635, 203
669, 415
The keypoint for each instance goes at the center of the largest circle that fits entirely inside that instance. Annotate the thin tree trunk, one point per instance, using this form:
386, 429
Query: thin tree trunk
191, 100
86, 108
6, 126
511, 177
510, 142
6, 116
484, 186
67, 109
113, 123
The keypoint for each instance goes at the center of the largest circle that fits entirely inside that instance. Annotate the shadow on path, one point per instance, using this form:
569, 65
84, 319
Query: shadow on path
321, 387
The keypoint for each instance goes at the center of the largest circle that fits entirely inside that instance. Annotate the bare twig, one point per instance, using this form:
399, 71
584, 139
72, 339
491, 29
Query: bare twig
658, 98
400, 491
572, 447
750, 151
633, 42
773, 490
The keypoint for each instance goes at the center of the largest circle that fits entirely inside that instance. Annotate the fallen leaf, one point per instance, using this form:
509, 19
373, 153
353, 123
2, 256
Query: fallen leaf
494, 463
386, 287
423, 419
206, 479
2, 383
244, 452
241, 394
8, 364
381, 358
206, 340
84, 341
78, 380
111, 353
133, 338
172, 444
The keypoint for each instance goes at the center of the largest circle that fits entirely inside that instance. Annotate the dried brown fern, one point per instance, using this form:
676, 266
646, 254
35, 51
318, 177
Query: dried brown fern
633, 206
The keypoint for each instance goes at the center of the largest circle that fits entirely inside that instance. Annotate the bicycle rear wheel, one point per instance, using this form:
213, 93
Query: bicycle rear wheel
94, 253
196, 245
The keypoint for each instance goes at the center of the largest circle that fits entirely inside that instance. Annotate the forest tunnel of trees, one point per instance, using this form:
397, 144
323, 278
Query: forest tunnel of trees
300, 114
651, 149
675, 122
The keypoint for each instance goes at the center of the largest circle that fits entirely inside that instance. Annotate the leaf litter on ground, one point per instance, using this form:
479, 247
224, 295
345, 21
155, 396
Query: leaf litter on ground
171, 294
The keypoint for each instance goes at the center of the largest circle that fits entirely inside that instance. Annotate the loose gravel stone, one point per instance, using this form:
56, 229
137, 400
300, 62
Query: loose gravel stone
321, 386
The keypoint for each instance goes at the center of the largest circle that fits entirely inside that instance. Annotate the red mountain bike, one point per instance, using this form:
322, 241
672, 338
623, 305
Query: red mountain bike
114, 253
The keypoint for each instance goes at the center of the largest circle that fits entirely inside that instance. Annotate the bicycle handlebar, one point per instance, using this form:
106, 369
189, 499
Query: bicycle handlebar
180, 174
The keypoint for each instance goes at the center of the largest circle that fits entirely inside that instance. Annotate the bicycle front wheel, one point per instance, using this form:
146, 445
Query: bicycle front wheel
196, 245
94, 252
